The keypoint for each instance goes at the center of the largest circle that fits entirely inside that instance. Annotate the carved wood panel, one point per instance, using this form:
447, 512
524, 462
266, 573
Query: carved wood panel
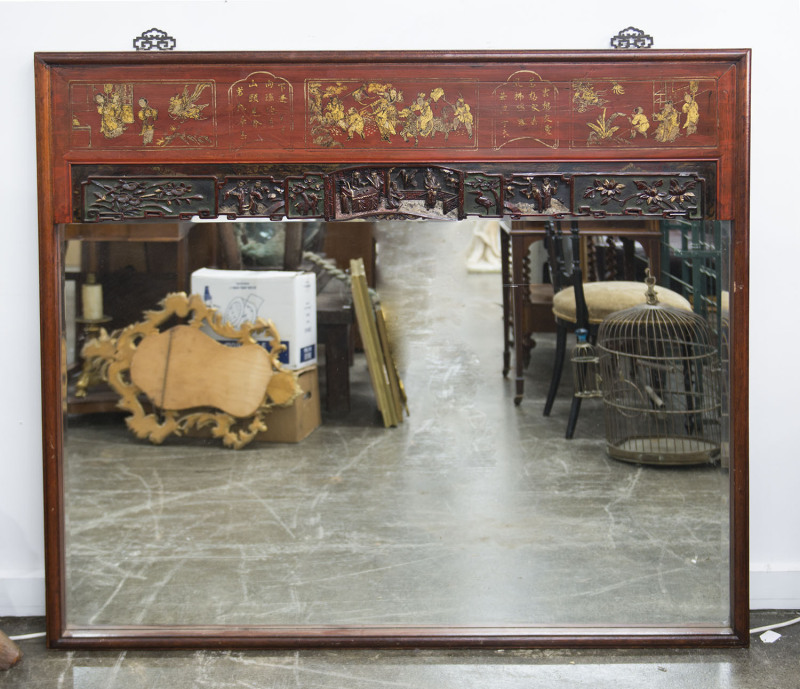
431, 192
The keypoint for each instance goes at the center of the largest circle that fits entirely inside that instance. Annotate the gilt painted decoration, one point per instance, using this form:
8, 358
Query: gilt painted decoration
157, 114
620, 113
527, 110
261, 111
376, 114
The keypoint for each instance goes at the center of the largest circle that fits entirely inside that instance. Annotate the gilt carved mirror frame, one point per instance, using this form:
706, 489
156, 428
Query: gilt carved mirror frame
303, 158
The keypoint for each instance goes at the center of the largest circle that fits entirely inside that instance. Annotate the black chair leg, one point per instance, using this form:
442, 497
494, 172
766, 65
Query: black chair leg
558, 365
574, 410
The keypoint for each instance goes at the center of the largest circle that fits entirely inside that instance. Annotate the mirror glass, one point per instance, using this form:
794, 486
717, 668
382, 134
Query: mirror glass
472, 511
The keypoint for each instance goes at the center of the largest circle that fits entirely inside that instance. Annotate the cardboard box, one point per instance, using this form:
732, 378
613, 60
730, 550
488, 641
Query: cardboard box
292, 424
287, 298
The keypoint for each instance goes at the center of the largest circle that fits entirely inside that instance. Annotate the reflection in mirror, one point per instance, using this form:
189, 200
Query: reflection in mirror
473, 511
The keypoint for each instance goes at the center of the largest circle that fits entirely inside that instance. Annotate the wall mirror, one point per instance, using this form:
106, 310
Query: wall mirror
457, 177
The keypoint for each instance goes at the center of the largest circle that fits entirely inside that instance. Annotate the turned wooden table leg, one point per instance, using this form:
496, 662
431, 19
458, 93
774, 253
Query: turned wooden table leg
505, 258
336, 338
518, 287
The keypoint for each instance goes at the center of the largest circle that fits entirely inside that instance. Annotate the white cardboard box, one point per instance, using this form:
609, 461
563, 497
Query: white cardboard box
288, 299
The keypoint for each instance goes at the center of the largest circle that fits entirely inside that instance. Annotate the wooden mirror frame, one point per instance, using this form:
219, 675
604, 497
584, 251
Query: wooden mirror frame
217, 151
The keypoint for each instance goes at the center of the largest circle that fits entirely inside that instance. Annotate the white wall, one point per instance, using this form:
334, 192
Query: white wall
769, 27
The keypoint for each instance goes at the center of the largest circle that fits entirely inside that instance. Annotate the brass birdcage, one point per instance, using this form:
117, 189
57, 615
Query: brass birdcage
660, 379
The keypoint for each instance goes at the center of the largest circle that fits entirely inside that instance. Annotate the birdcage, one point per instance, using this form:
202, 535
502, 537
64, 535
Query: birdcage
660, 377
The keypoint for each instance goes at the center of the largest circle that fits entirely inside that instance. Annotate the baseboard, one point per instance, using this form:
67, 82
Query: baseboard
775, 590
22, 596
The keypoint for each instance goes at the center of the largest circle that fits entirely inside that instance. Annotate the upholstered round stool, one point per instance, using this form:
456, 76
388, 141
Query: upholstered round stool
604, 298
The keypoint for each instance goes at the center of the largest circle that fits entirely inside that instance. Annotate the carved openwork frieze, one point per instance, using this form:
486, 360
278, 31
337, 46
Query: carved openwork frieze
667, 195
483, 194
431, 192
536, 195
305, 196
240, 197
108, 199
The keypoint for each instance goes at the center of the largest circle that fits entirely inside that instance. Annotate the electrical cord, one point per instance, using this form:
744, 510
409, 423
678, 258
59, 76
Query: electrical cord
769, 627
24, 637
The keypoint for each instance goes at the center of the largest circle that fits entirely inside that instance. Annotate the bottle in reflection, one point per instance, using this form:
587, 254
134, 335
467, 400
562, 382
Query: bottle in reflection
585, 366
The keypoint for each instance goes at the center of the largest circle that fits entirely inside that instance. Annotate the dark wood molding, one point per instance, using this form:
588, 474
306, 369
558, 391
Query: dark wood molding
470, 57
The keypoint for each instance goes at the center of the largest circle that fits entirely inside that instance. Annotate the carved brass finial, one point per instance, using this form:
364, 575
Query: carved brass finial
154, 39
631, 38
650, 281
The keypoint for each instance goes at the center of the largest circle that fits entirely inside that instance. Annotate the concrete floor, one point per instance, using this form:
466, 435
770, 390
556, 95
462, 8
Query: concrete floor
762, 666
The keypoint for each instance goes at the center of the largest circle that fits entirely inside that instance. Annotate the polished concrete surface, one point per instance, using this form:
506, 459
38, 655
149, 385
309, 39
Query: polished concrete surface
472, 512
762, 666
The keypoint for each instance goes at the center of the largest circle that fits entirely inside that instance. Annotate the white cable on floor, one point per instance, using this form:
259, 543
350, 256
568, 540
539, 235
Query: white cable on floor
768, 627
23, 637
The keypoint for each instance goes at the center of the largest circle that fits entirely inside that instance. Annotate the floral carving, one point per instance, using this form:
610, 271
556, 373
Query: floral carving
649, 197
649, 194
607, 190
130, 198
682, 193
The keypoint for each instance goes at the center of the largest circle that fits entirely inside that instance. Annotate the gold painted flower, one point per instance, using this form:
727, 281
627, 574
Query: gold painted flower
607, 190
650, 193
682, 194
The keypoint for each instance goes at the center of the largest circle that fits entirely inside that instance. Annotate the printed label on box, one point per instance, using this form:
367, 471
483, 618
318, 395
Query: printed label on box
286, 298
308, 353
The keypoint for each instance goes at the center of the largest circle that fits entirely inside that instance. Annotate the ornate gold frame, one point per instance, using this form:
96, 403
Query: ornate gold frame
111, 355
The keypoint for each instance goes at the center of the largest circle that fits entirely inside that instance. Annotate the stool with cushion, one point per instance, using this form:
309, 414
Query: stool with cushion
584, 305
